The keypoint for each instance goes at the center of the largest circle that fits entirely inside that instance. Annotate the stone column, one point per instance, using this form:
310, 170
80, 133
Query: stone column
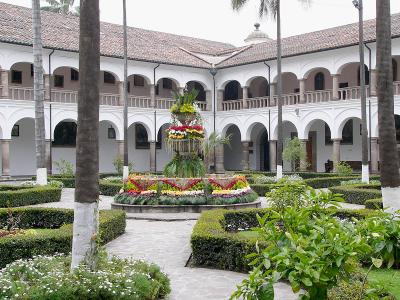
5, 158
374, 155
49, 162
335, 86
246, 156
152, 95
4, 83
336, 153
47, 83
219, 159
245, 96
220, 98
374, 82
272, 93
209, 100
272, 155
302, 85
303, 161
152, 156
121, 92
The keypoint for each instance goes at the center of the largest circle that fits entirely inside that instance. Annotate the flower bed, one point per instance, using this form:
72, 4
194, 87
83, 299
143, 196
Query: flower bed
49, 231
147, 190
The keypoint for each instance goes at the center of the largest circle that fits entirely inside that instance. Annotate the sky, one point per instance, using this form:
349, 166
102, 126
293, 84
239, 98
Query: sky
215, 20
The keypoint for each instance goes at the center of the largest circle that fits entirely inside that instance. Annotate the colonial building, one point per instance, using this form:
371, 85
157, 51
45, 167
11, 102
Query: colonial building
237, 93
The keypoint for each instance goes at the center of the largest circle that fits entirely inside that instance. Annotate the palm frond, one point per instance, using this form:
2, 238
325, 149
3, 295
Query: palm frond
238, 4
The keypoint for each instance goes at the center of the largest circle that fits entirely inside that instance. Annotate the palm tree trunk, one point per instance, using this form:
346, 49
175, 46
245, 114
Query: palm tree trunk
126, 159
279, 162
38, 95
85, 227
364, 130
389, 160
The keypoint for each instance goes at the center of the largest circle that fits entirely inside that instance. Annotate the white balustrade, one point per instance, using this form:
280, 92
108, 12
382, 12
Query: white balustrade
139, 101
21, 93
318, 96
202, 105
164, 103
396, 86
64, 96
232, 105
258, 102
290, 99
109, 99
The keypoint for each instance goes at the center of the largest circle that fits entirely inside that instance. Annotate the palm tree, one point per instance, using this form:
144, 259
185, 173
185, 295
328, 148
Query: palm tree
389, 161
64, 7
38, 95
126, 159
272, 7
85, 227
209, 145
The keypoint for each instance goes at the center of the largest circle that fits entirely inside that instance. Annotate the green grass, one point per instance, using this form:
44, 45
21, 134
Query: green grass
388, 278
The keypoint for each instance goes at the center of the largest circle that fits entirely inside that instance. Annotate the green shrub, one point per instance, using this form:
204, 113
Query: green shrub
109, 188
326, 182
356, 194
65, 168
50, 277
374, 203
287, 194
56, 237
262, 189
28, 195
343, 168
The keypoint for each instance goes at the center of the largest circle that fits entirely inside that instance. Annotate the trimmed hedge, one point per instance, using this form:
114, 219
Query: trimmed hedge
26, 195
215, 242
109, 188
304, 175
374, 203
50, 241
357, 194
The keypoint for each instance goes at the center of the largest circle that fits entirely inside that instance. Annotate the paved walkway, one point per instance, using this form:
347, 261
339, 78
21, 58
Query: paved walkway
167, 243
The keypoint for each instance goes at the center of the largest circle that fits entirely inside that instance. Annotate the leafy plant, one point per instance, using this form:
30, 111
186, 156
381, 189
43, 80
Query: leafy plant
65, 168
118, 163
213, 141
184, 103
293, 152
287, 194
343, 169
185, 167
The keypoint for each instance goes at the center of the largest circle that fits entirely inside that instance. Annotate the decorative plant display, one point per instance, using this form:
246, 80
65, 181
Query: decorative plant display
185, 138
146, 190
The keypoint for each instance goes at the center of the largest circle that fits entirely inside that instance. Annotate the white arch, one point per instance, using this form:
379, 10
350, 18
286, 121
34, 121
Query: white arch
24, 113
275, 78
248, 81
113, 119
310, 71
117, 78
223, 85
309, 119
199, 82
146, 121
251, 122
146, 78
174, 80
342, 119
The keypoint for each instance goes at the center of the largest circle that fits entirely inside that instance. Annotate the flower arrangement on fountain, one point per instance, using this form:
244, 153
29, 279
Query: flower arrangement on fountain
230, 190
192, 132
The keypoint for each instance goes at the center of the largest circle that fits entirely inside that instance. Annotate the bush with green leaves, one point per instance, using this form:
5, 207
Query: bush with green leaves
50, 277
185, 167
263, 179
358, 182
14, 195
64, 168
306, 246
343, 168
287, 194
293, 152
118, 164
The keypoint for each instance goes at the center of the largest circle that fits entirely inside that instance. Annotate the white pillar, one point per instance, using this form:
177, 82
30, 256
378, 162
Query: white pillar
303, 161
374, 82
336, 153
246, 156
47, 82
272, 155
208, 100
153, 157
5, 158
121, 92
335, 86
220, 98
374, 155
4, 82
302, 85
245, 96
152, 95
219, 159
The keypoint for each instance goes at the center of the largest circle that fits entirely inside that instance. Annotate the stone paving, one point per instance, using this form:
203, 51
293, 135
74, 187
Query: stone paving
167, 243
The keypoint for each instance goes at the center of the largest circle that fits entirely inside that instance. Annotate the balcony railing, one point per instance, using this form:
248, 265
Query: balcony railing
139, 101
63, 96
232, 105
164, 103
202, 105
20, 93
109, 99
259, 102
318, 96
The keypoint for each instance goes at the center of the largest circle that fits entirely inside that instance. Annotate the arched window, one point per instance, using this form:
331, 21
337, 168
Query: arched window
347, 133
232, 90
109, 78
394, 66
65, 134
141, 137
194, 85
319, 81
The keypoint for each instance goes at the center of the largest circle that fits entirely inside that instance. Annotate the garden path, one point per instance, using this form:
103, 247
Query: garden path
167, 243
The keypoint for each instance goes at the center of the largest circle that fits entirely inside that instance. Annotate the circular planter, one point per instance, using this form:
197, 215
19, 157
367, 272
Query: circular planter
181, 208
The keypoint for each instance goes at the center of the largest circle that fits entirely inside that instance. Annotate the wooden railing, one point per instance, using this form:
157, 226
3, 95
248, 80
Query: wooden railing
139, 101
232, 105
318, 96
21, 93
